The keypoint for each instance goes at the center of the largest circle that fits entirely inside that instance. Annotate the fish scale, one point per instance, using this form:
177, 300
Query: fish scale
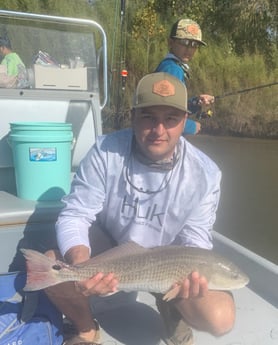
137, 268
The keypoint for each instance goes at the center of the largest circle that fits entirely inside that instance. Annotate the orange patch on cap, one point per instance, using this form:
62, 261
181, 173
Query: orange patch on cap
193, 29
163, 88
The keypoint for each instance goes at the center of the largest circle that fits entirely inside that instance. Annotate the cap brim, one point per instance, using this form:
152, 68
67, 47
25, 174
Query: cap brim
189, 38
157, 104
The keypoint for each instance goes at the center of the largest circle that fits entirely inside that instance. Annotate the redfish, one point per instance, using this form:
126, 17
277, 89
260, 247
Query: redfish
138, 269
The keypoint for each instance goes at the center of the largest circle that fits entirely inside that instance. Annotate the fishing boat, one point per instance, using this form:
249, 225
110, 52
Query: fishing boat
57, 94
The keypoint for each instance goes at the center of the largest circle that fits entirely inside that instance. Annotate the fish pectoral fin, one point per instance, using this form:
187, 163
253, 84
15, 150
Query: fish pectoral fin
172, 293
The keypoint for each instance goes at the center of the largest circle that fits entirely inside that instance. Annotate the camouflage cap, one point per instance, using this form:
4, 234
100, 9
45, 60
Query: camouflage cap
160, 88
187, 29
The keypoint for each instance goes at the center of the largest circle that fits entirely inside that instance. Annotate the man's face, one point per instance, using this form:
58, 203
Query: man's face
157, 130
184, 49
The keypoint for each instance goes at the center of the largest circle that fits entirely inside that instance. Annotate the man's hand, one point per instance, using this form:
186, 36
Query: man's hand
206, 99
193, 286
99, 284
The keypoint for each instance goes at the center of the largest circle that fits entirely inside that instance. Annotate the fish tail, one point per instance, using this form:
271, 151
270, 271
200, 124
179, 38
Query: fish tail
40, 272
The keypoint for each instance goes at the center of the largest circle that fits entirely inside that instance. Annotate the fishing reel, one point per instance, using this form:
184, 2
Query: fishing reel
207, 114
198, 110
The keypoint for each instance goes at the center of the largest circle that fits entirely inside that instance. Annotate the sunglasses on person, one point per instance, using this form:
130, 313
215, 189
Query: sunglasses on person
188, 43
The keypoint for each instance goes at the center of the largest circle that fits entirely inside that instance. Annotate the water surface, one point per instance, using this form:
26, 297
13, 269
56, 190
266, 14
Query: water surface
248, 210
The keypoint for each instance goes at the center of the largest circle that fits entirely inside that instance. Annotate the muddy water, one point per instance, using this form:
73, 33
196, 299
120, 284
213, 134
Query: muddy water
248, 210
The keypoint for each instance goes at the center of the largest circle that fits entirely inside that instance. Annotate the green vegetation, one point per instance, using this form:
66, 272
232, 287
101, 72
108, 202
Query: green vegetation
242, 53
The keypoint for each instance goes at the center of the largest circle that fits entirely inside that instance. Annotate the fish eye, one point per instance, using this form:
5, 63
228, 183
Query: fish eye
57, 267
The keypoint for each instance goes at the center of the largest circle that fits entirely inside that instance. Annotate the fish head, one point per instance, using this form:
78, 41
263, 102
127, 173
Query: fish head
227, 276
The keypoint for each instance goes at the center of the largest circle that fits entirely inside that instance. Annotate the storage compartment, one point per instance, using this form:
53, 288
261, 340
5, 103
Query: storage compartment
61, 78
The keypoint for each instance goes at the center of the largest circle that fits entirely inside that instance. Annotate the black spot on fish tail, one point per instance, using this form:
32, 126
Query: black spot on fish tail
57, 267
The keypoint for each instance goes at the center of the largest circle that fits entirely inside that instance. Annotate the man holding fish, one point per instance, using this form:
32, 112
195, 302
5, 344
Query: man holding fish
150, 186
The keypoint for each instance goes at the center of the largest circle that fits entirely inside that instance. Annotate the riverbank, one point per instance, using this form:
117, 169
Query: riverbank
258, 128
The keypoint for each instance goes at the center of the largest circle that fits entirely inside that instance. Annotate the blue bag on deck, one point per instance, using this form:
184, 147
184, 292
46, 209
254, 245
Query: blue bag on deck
27, 318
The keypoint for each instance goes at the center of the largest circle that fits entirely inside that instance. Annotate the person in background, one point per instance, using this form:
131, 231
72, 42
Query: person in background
13, 73
185, 38
139, 184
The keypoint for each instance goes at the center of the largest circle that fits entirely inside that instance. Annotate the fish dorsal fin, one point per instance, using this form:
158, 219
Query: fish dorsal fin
123, 250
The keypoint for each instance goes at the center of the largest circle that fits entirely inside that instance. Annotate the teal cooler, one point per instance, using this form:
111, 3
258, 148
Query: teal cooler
42, 159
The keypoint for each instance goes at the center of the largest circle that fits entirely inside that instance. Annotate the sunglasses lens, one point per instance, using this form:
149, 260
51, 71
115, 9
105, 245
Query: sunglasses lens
189, 43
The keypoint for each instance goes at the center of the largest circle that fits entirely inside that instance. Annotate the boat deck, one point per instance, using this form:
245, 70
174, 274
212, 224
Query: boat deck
130, 319
125, 319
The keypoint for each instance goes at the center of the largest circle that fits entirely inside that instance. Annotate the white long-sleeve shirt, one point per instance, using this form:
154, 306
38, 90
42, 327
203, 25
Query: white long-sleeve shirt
136, 202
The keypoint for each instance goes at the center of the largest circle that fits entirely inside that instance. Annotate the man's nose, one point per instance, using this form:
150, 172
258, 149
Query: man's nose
158, 127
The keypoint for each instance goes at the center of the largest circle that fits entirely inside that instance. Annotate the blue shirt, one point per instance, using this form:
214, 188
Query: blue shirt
171, 66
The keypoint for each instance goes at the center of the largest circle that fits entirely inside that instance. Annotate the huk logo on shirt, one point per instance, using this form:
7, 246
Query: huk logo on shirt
149, 213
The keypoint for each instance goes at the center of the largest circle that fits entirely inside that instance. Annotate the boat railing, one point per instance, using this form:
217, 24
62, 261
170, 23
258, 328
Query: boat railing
263, 274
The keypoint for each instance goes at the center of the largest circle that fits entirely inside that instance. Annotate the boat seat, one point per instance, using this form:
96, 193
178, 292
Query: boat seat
18, 211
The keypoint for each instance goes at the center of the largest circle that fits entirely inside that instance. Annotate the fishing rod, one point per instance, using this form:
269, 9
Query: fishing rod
208, 113
245, 90
122, 76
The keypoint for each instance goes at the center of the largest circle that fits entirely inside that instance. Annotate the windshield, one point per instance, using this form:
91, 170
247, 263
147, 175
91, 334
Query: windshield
56, 55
